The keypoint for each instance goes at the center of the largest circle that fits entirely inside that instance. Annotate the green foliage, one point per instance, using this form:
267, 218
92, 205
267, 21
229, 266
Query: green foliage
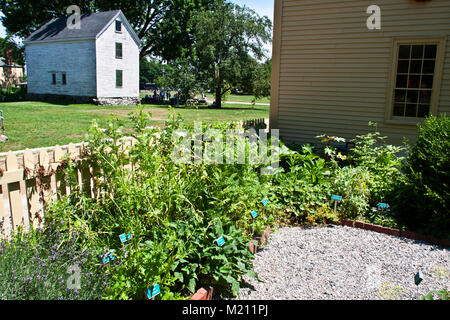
352, 184
12, 93
302, 186
34, 266
16, 51
382, 162
262, 80
174, 211
162, 25
207, 263
424, 199
223, 39
441, 295
371, 176
177, 211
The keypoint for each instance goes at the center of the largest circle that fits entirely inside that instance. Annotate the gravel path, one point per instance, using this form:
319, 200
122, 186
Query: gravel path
343, 263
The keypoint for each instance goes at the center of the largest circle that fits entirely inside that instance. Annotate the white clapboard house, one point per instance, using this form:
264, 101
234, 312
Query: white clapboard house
97, 62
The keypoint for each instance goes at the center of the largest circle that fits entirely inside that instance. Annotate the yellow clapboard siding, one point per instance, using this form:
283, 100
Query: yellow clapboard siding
331, 67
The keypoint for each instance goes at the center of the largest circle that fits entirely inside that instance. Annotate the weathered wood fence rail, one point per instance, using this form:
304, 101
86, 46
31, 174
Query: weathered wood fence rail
30, 178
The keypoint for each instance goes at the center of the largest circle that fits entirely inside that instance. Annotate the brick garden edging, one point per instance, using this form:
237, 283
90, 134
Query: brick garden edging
207, 294
390, 231
203, 294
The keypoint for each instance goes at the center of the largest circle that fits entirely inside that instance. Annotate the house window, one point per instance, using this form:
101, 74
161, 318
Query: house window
64, 79
119, 78
118, 50
118, 26
416, 79
53, 78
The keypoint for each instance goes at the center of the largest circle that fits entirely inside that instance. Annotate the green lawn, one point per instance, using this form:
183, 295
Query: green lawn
39, 124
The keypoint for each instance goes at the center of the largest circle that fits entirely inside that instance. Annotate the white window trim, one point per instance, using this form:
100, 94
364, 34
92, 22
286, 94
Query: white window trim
434, 103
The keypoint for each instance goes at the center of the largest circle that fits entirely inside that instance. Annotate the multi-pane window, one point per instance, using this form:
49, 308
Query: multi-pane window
118, 26
118, 50
119, 78
414, 80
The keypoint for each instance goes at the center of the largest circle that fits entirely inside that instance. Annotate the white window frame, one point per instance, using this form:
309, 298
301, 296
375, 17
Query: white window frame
434, 102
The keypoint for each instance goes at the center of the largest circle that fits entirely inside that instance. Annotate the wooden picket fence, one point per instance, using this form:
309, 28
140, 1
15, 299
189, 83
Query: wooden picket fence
29, 179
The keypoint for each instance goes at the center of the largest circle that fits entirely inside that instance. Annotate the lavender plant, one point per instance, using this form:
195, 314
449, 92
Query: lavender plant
35, 265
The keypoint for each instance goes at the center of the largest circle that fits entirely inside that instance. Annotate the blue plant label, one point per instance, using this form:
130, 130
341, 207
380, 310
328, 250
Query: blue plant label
108, 257
383, 205
254, 214
125, 237
153, 291
220, 241
265, 202
335, 197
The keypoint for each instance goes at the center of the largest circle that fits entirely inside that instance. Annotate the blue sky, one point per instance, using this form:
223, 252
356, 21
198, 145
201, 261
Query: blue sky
262, 7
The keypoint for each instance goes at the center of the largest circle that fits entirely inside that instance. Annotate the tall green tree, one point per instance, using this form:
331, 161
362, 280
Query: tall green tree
223, 38
162, 25
262, 80
15, 50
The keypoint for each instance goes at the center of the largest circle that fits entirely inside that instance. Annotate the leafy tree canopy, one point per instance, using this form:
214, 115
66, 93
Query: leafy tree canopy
15, 51
162, 25
224, 41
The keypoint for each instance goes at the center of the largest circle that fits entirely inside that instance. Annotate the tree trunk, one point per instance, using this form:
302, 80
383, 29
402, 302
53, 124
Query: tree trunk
219, 97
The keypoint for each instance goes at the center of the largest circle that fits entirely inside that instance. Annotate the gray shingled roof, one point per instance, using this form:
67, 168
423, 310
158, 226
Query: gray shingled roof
90, 27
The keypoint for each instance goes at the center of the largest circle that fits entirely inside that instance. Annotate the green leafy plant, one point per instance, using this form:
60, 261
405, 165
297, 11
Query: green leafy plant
302, 186
424, 198
352, 185
174, 211
442, 295
382, 161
